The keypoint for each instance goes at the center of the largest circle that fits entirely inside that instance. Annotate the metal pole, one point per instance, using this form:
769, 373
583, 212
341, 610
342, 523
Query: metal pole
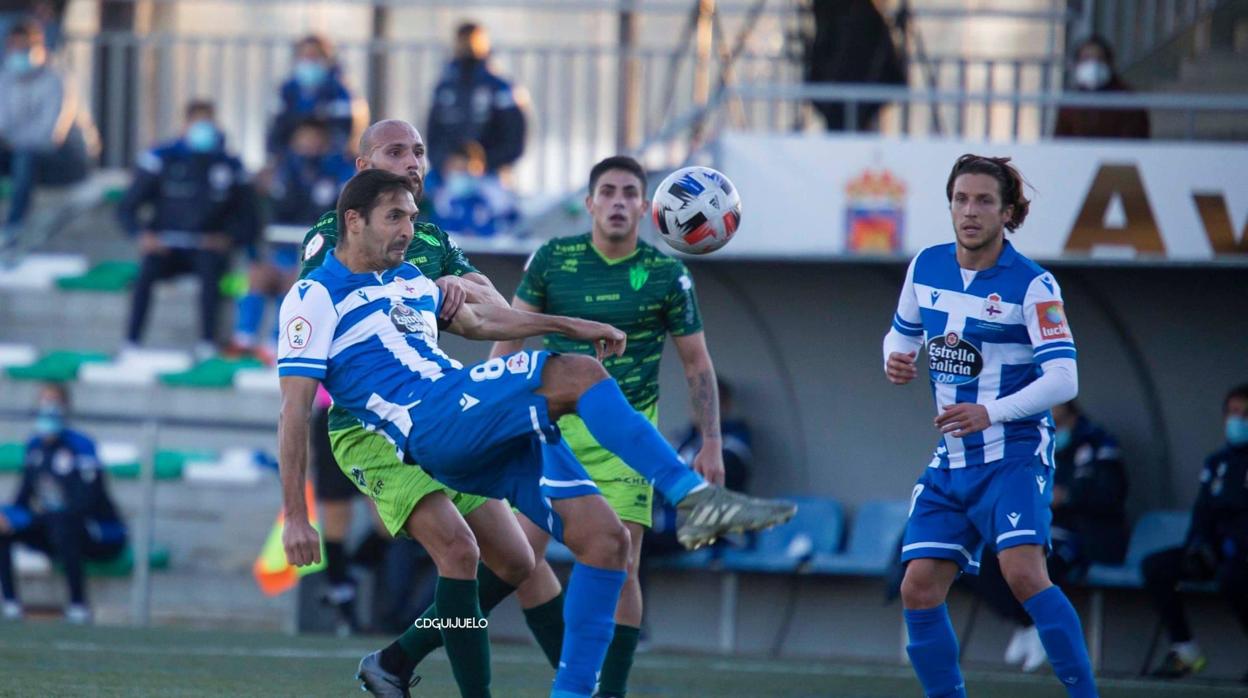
628, 86
704, 33
141, 592
377, 64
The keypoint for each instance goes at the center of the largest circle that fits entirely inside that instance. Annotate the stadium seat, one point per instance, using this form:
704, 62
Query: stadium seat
257, 379
709, 558
217, 372
57, 366
112, 276
40, 271
817, 528
122, 461
123, 564
12, 457
135, 367
1156, 530
235, 466
872, 543
17, 355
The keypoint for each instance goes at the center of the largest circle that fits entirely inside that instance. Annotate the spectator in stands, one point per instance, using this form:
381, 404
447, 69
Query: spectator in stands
43, 133
200, 204
300, 187
852, 43
62, 506
315, 90
1095, 72
473, 103
1089, 524
1216, 548
467, 199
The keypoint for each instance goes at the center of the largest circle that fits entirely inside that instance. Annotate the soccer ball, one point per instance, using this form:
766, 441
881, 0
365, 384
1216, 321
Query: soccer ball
696, 210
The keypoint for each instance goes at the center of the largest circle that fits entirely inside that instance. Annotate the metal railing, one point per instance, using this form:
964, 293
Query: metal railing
1137, 28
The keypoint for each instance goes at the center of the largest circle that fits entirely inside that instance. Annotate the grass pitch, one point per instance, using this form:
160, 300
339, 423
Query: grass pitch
45, 659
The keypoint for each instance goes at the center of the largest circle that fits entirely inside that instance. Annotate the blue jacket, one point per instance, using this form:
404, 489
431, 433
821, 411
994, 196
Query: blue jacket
330, 102
472, 103
1091, 469
304, 188
66, 476
189, 192
1220, 514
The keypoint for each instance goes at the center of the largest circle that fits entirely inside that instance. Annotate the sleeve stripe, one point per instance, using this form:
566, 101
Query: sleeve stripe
1055, 345
301, 360
899, 320
1050, 348
907, 331
1062, 354
303, 371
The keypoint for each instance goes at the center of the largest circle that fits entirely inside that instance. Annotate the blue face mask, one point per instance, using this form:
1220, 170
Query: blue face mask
1237, 430
18, 62
309, 74
49, 422
202, 137
1061, 439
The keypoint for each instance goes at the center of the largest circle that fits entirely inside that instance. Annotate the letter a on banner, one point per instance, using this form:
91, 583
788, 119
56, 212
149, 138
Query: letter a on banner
1139, 229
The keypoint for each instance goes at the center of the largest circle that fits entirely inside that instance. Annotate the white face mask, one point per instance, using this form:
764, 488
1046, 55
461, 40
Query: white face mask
1092, 74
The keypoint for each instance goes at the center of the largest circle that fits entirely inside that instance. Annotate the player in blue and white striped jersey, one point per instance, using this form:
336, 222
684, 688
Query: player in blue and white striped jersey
1000, 354
366, 324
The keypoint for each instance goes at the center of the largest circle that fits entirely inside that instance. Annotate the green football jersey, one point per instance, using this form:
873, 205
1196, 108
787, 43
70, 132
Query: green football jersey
430, 250
646, 294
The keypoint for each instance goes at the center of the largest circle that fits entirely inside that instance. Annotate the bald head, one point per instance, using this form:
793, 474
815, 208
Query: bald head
395, 146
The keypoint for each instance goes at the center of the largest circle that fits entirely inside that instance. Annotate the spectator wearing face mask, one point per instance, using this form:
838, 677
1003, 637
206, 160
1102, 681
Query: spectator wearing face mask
198, 203
314, 91
1094, 72
467, 199
62, 506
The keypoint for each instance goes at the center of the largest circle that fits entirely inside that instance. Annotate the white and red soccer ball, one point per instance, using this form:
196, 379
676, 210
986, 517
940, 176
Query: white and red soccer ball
696, 210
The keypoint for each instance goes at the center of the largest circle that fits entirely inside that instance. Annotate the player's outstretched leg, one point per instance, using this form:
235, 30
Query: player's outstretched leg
593, 532
574, 383
1060, 631
933, 646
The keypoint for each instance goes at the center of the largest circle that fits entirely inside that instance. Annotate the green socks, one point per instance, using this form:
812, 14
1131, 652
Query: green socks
418, 641
464, 635
613, 681
546, 623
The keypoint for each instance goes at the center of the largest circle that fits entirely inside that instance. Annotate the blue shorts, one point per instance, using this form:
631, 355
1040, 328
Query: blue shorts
483, 430
954, 512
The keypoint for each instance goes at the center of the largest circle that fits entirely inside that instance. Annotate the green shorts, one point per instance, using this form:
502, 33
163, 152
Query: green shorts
628, 493
370, 461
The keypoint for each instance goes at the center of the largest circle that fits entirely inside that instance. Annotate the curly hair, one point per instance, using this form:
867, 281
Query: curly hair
1008, 179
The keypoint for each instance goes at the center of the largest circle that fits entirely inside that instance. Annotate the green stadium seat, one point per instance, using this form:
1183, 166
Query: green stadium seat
123, 564
12, 457
17, 355
217, 372
113, 276
56, 366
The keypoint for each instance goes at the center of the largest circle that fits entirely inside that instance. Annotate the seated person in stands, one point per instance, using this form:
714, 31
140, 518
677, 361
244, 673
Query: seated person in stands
466, 198
1094, 71
62, 506
660, 539
315, 90
188, 204
43, 131
1089, 524
303, 183
1216, 548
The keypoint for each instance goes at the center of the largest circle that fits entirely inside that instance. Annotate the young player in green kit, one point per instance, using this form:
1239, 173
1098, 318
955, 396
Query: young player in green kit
610, 276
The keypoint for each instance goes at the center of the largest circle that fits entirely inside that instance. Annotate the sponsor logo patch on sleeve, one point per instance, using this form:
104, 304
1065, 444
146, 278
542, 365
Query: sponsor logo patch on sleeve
314, 245
298, 332
1052, 318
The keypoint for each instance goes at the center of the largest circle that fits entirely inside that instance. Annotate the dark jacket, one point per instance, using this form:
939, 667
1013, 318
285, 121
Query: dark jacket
303, 188
1220, 515
189, 192
737, 451
329, 102
65, 475
1092, 471
1090, 122
472, 103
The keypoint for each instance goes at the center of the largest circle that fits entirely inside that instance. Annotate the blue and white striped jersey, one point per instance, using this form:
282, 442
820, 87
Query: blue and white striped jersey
987, 334
371, 338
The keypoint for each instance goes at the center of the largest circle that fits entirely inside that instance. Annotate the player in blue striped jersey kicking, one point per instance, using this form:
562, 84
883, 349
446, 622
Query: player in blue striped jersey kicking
1000, 354
366, 324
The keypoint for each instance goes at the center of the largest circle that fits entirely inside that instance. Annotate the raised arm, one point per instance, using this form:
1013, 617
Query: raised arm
511, 346
479, 321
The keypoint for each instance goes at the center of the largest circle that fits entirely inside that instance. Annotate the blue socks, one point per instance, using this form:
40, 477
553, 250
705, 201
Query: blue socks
1062, 637
623, 431
589, 623
933, 651
248, 316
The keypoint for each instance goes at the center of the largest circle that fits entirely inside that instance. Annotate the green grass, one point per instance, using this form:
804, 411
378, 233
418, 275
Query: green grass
48, 658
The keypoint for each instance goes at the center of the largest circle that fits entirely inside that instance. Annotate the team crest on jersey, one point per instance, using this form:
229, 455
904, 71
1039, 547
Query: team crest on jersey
992, 307
637, 276
1052, 318
314, 245
407, 320
952, 360
298, 332
519, 362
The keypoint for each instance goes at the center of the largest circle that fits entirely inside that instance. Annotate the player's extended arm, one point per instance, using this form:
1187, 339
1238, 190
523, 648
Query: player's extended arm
477, 321
301, 541
704, 403
482, 290
511, 346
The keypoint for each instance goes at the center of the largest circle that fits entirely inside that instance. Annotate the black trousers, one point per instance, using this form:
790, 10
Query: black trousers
64, 538
1164, 570
208, 265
